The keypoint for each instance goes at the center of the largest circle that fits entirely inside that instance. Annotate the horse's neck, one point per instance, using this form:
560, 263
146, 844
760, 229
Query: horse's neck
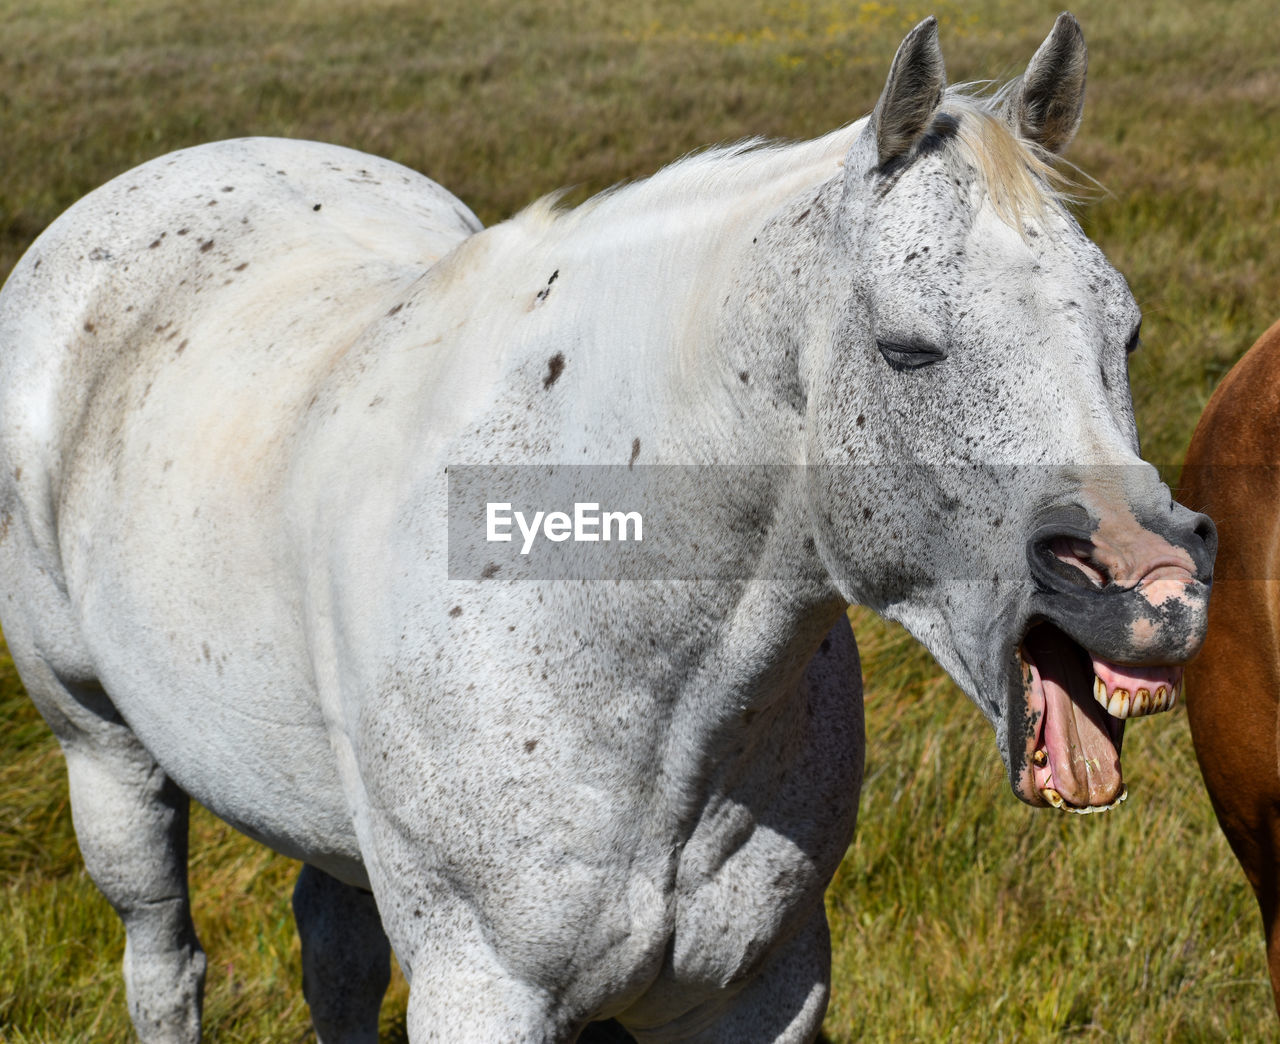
706, 372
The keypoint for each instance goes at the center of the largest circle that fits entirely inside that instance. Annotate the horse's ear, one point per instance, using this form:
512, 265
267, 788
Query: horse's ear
1045, 105
911, 94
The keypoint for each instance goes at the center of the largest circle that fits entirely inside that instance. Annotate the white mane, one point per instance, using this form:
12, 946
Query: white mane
1019, 178
710, 177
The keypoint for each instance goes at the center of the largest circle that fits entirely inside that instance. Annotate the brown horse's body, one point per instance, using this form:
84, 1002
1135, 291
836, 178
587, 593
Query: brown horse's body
1232, 472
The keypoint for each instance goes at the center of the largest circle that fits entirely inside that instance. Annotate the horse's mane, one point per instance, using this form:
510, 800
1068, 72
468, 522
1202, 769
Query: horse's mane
716, 173
1019, 177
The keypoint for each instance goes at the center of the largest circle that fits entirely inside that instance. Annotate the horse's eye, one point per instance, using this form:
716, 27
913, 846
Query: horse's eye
910, 355
1134, 341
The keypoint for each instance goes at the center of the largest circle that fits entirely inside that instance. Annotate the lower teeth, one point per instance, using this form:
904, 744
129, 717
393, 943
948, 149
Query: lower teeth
1055, 799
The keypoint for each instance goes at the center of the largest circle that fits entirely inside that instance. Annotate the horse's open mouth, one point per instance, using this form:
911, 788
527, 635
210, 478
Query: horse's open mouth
1080, 704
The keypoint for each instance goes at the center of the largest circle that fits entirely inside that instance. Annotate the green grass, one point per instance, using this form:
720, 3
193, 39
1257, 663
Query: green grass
959, 914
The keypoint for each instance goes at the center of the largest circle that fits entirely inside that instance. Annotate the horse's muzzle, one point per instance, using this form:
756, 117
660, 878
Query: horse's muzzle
1127, 591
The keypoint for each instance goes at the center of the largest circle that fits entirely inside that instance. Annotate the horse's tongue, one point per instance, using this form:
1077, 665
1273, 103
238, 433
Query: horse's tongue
1083, 762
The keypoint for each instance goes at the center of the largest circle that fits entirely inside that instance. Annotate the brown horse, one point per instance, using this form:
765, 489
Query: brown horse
1232, 472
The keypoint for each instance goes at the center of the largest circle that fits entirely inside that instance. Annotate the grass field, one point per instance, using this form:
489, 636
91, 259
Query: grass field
958, 915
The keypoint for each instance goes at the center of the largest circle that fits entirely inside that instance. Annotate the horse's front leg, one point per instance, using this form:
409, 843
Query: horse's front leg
784, 1003
346, 958
465, 996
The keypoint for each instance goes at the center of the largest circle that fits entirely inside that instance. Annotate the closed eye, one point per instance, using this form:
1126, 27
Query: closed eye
911, 355
1134, 341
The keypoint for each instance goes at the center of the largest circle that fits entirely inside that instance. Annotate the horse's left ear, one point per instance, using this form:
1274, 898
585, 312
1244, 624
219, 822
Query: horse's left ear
1045, 105
911, 94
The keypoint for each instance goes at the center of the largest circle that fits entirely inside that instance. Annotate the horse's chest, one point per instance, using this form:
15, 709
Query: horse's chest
742, 885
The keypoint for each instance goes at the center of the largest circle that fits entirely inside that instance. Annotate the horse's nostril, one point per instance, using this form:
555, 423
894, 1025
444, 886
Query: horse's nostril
1067, 562
1204, 549
1208, 533
1079, 555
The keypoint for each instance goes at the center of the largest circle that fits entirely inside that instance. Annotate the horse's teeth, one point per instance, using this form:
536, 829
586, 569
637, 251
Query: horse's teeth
1040, 758
1124, 793
1121, 704
1055, 799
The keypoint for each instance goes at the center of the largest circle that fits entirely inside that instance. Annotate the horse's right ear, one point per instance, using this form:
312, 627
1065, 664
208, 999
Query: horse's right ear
1045, 105
911, 94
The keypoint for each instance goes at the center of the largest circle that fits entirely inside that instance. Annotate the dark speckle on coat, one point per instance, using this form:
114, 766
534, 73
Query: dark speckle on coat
545, 292
555, 367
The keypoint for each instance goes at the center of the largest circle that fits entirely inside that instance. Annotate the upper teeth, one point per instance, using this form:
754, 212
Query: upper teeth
1119, 703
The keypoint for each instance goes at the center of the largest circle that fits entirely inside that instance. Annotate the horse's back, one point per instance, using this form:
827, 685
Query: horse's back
1232, 472
278, 223
161, 346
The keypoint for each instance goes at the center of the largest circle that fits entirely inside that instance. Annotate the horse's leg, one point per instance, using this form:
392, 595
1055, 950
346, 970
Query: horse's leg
346, 958
469, 998
783, 1004
131, 823
786, 1002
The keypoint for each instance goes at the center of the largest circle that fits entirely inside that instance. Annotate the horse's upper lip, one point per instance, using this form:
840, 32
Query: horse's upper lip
1076, 705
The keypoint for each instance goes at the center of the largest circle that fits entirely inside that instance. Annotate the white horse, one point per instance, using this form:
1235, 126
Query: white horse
231, 382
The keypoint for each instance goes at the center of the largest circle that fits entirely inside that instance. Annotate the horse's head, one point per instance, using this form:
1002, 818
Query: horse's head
984, 485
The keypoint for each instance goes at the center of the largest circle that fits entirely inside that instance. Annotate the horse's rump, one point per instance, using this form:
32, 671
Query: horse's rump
152, 392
